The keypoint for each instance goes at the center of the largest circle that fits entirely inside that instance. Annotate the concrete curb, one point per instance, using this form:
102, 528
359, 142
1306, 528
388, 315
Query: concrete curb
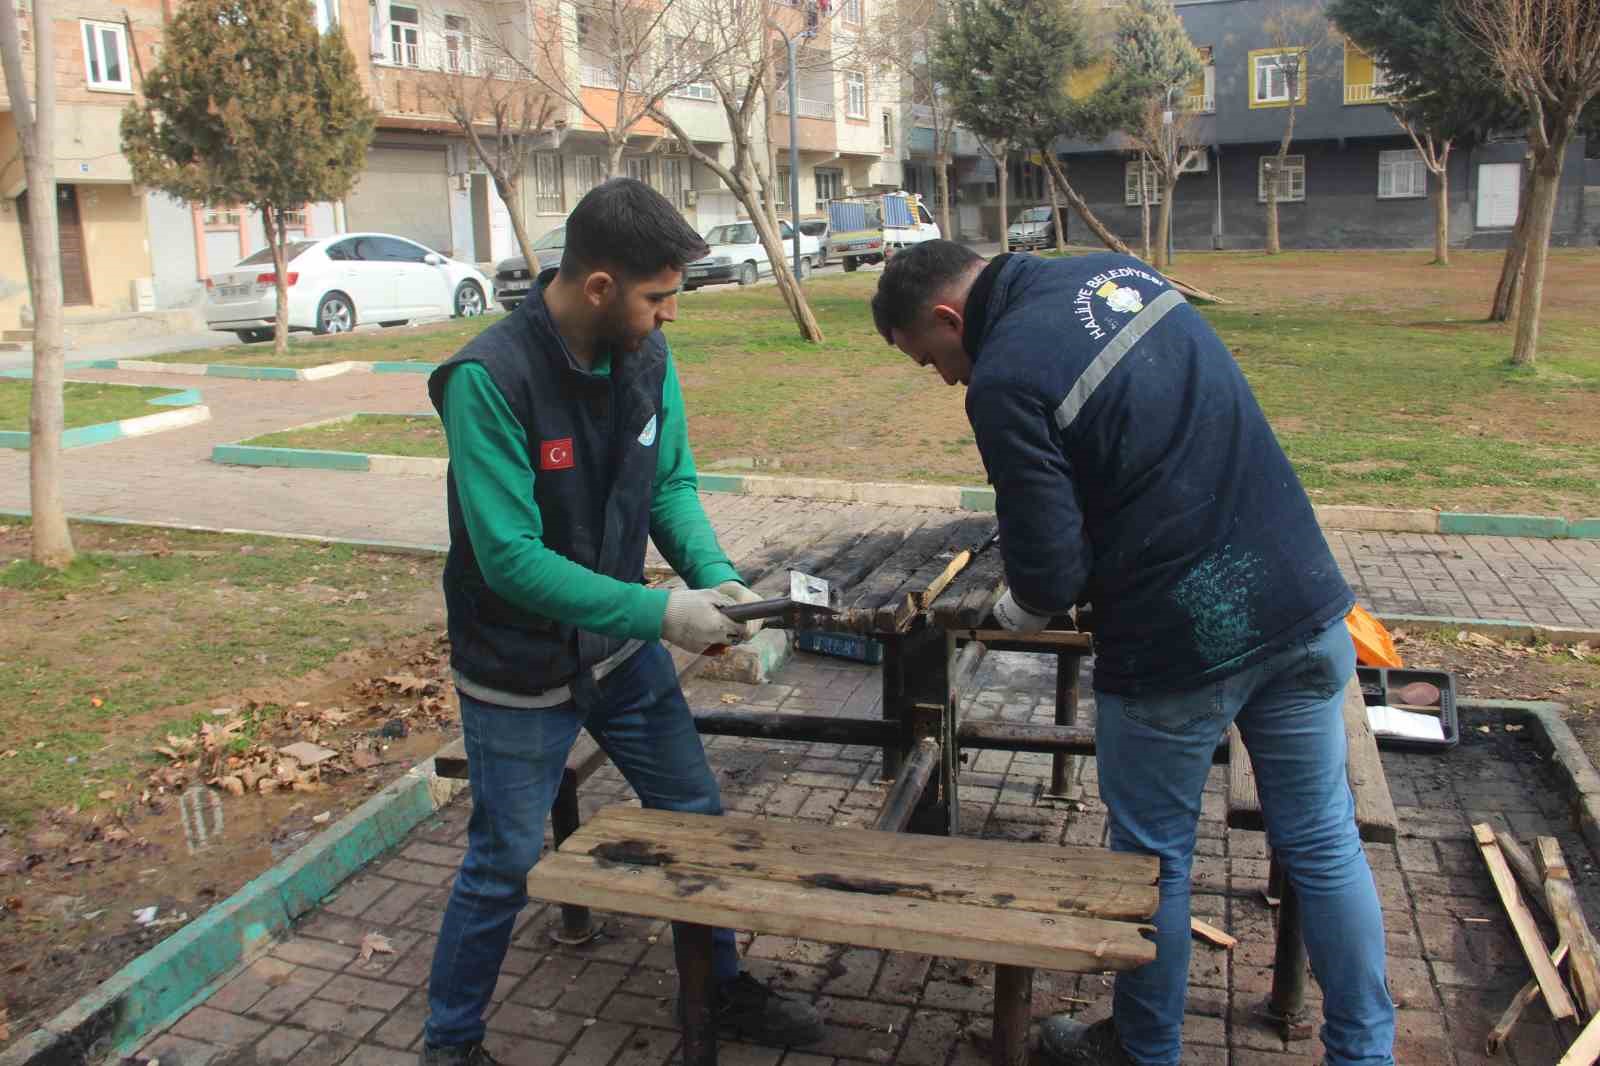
184, 969
1505, 629
187, 411
1558, 744
320, 372
242, 453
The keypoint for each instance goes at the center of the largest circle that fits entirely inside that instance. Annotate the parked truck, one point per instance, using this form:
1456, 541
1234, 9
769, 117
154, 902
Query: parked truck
868, 229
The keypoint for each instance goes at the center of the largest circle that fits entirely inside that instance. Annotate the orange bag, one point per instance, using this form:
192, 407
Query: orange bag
1373, 644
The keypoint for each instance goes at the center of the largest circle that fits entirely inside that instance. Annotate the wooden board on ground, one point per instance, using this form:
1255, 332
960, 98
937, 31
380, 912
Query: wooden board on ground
1571, 926
1212, 935
1522, 923
1375, 815
615, 863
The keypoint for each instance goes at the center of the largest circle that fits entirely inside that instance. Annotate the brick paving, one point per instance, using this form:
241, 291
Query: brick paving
169, 478
1453, 963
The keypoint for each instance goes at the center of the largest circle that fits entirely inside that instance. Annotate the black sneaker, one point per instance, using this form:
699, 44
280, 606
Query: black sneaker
456, 1055
756, 1013
1066, 1041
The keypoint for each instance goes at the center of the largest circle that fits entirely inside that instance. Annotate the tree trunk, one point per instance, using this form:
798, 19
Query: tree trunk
1273, 245
1144, 212
1441, 215
942, 183
272, 226
1169, 187
51, 537
614, 146
1003, 160
510, 190
1541, 215
1098, 228
1511, 267
1055, 214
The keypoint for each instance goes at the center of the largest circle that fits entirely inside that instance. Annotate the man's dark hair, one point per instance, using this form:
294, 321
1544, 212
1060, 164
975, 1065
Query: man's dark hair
913, 277
625, 227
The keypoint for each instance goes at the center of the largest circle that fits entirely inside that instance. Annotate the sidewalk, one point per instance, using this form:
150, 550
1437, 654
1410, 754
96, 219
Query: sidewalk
1453, 963
169, 478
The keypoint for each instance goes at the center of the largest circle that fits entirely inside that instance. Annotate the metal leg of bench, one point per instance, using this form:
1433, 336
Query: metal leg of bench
1064, 768
691, 946
1013, 1009
577, 927
894, 754
1286, 1006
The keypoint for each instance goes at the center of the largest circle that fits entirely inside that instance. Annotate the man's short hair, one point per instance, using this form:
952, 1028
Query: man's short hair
915, 276
625, 227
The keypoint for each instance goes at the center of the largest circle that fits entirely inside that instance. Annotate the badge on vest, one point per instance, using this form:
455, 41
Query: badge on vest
647, 437
556, 454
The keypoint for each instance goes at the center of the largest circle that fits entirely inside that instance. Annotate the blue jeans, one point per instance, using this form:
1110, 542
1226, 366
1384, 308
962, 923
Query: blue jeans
1153, 754
515, 757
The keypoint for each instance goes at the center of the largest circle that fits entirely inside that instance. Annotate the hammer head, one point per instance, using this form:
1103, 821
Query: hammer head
812, 591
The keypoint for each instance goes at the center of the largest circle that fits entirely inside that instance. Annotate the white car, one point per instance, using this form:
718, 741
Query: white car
813, 246
340, 281
736, 255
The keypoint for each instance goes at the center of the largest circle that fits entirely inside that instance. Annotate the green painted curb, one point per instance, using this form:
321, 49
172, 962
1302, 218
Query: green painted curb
181, 398
99, 433
1584, 528
977, 499
404, 368
14, 438
307, 458
722, 483
257, 373
1502, 525
155, 988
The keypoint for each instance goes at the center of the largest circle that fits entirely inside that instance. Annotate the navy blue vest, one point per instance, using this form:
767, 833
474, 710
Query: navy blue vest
592, 445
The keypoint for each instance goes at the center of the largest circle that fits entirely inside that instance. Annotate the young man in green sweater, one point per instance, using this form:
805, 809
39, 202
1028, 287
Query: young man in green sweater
569, 451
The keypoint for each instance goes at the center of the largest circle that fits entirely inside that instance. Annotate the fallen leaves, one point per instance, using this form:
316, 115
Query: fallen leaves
375, 944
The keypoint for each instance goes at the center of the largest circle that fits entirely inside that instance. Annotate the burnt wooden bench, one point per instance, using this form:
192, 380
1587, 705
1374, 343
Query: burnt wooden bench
1017, 906
1375, 818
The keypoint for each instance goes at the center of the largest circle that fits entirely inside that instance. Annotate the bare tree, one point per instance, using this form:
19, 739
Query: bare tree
35, 124
999, 150
1169, 141
501, 110
1435, 152
906, 40
1301, 36
1547, 55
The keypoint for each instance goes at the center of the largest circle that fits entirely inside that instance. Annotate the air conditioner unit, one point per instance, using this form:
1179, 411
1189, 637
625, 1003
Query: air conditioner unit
690, 197
1199, 164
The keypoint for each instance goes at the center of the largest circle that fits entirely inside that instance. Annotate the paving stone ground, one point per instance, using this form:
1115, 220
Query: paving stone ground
169, 477
1453, 963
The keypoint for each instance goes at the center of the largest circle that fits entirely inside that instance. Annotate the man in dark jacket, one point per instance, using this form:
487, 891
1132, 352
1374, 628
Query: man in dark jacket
1133, 470
568, 451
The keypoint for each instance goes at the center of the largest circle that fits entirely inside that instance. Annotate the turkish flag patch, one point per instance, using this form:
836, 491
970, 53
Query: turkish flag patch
556, 454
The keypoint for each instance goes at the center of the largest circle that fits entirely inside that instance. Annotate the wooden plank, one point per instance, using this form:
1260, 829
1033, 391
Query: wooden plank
1375, 816
697, 852
1007, 936
1550, 986
872, 850
970, 599
1567, 914
1527, 873
919, 546
1212, 935
1374, 806
1586, 1049
817, 555
1519, 1003
903, 604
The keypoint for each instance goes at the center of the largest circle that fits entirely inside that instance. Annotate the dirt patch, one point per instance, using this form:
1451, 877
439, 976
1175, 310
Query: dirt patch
1526, 415
73, 883
1367, 466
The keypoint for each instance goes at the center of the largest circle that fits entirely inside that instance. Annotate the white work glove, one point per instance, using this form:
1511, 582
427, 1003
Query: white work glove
692, 620
742, 594
1017, 618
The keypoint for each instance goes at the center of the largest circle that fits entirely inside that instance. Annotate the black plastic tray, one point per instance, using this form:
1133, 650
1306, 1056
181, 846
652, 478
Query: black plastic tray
1378, 681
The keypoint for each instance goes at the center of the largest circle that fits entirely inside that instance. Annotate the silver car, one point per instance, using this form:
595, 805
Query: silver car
512, 278
1032, 229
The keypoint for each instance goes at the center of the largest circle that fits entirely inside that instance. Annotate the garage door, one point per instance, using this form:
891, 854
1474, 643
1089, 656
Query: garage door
403, 191
1499, 188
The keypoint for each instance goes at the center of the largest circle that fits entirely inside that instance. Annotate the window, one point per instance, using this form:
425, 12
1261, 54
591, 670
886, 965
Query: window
851, 11
781, 193
1272, 75
403, 30
855, 86
1291, 182
1131, 194
638, 167
547, 183
327, 14
1200, 96
684, 58
392, 250
1401, 174
591, 171
105, 56
672, 184
830, 186
888, 131
457, 44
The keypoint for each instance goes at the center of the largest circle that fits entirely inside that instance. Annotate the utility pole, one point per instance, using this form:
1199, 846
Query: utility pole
793, 45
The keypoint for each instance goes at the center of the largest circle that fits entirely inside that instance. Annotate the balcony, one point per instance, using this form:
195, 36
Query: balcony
600, 76
1200, 104
447, 60
1365, 93
810, 107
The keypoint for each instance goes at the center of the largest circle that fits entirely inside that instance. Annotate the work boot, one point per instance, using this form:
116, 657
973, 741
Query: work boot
471, 1054
1066, 1041
756, 1013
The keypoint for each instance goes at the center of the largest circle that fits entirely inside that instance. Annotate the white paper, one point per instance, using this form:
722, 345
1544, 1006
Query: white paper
1393, 722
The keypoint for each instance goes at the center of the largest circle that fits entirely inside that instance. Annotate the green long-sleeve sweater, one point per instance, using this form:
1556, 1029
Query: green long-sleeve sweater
494, 482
